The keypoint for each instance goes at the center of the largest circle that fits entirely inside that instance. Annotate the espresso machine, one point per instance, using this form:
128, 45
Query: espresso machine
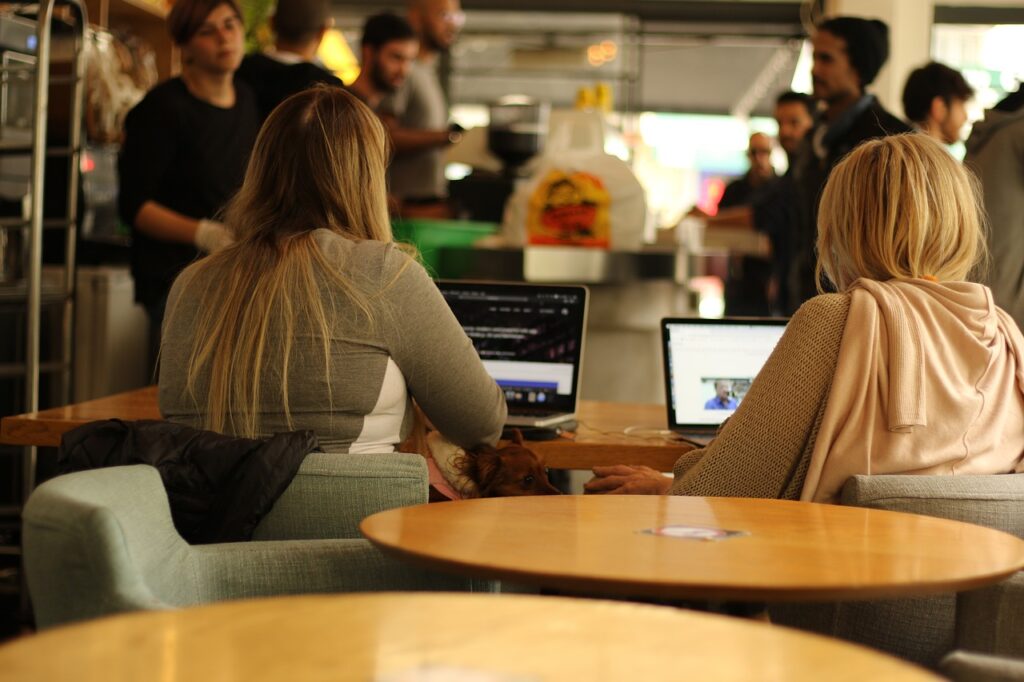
518, 127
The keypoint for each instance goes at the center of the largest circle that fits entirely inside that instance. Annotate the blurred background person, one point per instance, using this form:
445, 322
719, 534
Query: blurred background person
417, 114
746, 285
389, 49
995, 152
741, 191
935, 101
794, 114
291, 65
184, 153
776, 213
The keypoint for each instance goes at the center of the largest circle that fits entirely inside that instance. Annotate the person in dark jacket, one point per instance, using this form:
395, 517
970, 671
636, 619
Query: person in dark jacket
848, 54
291, 66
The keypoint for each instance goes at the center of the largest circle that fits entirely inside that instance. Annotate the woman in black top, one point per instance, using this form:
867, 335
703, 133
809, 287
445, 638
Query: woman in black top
185, 150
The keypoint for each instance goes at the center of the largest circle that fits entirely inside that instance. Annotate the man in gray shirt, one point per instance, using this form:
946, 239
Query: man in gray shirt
417, 115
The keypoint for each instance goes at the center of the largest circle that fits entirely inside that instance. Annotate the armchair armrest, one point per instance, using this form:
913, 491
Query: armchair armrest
967, 666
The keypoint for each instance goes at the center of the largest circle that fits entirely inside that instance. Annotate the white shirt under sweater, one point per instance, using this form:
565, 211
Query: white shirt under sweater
415, 349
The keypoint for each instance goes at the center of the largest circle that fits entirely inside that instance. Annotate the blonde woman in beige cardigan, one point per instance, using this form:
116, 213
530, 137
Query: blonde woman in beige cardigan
910, 369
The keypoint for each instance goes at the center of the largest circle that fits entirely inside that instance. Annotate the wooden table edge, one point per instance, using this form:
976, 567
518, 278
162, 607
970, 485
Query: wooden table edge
612, 587
615, 588
19, 430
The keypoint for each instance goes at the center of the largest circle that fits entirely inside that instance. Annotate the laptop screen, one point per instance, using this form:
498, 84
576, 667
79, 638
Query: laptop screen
530, 338
710, 364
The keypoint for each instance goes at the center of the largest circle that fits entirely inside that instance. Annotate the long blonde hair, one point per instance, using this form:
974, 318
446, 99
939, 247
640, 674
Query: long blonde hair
900, 207
318, 162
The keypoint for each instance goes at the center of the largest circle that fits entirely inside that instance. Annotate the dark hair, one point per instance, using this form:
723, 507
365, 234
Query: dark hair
792, 97
385, 27
867, 43
928, 82
297, 21
187, 16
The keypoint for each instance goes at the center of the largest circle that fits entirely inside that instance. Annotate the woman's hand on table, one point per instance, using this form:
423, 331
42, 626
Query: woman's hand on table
625, 479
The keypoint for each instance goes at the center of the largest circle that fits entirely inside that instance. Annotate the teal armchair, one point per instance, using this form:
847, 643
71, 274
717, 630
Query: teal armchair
102, 542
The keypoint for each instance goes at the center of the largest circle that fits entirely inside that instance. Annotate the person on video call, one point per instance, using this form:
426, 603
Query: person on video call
722, 400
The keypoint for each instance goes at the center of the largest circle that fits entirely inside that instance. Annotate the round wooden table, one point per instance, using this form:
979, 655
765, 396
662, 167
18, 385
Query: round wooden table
437, 638
790, 551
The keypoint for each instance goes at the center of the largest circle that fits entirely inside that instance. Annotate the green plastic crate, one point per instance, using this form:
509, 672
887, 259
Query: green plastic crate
430, 236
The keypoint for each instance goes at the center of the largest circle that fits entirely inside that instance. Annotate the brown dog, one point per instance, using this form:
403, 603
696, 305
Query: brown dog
506, 472
485, 472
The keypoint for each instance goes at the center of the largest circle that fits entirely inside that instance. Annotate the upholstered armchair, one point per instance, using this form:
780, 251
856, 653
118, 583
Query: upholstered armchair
102, 541
925, 630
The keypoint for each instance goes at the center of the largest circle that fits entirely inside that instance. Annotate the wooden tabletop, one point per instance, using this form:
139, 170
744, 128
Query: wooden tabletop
599, 439
791, 551
434, 638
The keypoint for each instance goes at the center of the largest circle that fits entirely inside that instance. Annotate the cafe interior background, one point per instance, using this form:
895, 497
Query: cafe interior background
680, 86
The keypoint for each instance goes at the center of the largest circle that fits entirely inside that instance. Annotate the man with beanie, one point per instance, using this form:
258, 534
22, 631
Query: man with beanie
291, 65
995, 151
848, 54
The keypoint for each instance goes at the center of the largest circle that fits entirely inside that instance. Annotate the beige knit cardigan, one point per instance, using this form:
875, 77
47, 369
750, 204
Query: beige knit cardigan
765, 447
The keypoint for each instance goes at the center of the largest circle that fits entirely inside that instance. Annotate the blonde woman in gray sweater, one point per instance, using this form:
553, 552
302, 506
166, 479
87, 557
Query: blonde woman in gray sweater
314, 318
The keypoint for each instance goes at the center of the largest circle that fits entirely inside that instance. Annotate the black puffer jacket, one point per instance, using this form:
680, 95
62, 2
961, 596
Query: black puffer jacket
219, 487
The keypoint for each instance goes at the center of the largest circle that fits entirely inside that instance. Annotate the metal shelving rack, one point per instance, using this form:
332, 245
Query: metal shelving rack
34, 64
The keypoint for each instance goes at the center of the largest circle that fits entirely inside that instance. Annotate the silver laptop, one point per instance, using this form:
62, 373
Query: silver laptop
709, 366
530, 338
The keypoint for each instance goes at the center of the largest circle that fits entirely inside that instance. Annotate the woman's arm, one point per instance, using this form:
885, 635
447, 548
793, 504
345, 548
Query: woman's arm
442, 369
760, 452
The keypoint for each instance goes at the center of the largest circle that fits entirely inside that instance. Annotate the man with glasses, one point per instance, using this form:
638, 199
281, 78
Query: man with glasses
740, 192
746, 287
417, 114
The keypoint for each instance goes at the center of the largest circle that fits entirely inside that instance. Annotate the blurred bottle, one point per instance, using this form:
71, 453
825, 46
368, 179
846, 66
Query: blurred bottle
586, 98
603, 97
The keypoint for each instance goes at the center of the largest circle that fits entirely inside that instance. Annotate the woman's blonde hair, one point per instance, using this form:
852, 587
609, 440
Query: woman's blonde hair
899, 207
318, 162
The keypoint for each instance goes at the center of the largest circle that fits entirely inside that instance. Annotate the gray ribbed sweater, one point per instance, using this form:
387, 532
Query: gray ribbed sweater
415, 331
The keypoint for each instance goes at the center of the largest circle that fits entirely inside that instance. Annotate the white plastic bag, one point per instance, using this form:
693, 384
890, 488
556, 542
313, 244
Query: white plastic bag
578, 194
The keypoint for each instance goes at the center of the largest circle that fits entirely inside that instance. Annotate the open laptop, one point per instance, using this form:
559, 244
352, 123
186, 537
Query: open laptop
709, 366
530, 338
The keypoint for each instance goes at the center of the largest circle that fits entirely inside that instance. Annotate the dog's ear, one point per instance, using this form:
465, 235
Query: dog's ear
517, 437
485, 464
